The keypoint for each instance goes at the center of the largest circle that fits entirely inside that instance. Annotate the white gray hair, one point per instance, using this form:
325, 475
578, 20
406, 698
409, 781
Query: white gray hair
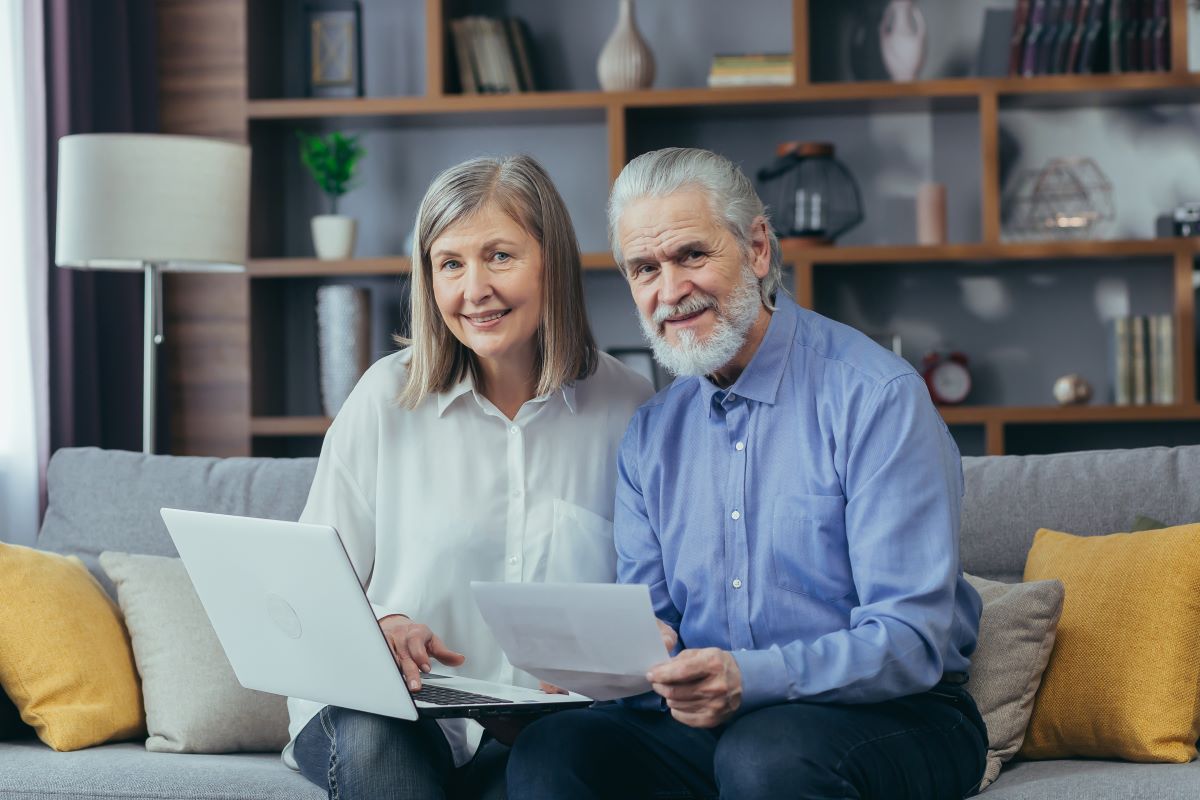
731, 197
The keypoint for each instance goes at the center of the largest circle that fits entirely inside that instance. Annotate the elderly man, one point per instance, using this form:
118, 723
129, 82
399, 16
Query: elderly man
792, 501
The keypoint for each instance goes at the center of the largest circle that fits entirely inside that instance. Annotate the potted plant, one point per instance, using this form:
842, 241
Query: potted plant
331, 161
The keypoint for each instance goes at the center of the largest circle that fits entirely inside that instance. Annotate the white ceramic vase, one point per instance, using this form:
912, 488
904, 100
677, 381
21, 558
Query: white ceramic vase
625, 62
334, 236
343, 342
902, 39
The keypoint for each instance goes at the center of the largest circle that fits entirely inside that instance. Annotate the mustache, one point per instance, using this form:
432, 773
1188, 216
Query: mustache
694, 303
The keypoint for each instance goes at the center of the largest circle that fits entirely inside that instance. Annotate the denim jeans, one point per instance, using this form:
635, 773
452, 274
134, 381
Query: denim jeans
354, 755
924, 747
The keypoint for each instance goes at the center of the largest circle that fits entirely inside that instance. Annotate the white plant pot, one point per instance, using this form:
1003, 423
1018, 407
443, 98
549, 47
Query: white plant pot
334, 236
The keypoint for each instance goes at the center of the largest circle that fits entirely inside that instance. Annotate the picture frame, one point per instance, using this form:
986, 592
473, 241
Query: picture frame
333, 49
640, 360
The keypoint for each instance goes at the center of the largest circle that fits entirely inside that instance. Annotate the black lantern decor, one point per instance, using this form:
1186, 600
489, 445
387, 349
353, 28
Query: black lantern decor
816, 198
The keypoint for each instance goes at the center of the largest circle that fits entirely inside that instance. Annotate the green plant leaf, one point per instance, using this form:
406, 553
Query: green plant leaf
332, 161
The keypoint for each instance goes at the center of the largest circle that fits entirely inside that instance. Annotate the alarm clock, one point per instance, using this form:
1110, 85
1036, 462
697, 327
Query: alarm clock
947, 376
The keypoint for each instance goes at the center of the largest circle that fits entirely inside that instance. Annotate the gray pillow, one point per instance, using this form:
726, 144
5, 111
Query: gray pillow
194, 703
1016, 636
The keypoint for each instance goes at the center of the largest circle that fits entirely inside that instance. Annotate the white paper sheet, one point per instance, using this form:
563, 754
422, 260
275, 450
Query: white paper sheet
596, 639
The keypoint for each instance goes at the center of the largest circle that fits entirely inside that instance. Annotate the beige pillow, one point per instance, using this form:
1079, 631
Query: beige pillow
194, 703
1016, 635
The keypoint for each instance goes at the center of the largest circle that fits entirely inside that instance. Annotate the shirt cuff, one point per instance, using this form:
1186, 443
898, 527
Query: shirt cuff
765, 677
381, 612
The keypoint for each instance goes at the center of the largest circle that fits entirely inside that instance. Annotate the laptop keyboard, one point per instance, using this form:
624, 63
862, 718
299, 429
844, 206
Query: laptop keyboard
441, 696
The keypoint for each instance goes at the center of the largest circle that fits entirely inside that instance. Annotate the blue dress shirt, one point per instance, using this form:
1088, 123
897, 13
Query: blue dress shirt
805, 519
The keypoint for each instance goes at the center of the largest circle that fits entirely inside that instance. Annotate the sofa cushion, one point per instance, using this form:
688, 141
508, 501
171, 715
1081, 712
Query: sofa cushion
31, 771
194, 703
1016, 635
1010, 497
64, 654
109, 499
1095, 780
1124, 677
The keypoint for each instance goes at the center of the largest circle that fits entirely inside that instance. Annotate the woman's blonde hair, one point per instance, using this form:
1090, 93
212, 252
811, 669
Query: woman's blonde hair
564, 349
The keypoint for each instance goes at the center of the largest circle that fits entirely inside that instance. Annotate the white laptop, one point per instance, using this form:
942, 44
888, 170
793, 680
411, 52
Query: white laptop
292, 618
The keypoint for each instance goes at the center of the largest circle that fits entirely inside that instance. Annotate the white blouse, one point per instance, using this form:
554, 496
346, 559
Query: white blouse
428, 500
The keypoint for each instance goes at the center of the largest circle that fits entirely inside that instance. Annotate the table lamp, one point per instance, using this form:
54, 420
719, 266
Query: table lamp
152, 203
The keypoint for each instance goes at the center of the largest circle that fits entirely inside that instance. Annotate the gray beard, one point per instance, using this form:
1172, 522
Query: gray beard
734, 320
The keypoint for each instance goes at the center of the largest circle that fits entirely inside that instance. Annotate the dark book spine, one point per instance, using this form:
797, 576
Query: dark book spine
1077, 35
1049, 37
1016, 44
1116, 24
1033, 39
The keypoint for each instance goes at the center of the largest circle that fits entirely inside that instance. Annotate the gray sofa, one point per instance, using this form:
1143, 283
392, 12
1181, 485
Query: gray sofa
108, 500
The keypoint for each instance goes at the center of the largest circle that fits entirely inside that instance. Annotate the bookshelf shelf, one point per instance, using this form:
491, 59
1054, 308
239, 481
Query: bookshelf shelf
999, 251
1000, 415
1091, 90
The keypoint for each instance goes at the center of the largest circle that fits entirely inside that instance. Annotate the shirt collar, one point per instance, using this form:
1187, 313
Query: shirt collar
760, 379
467, 385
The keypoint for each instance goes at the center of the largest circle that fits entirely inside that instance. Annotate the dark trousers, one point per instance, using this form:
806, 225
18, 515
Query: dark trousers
925, 747
353, 755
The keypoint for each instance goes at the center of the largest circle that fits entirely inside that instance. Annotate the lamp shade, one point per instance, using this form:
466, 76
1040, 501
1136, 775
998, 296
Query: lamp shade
126, 200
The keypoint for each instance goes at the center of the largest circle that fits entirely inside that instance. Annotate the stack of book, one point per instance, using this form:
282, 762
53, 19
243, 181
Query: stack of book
1057, 37
751, 69
1143, 351
493, 55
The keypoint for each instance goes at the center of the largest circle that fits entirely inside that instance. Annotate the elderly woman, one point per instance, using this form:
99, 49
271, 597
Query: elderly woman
484, 451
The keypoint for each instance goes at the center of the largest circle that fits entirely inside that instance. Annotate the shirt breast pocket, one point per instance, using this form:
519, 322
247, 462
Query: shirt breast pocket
808, 546
581, 547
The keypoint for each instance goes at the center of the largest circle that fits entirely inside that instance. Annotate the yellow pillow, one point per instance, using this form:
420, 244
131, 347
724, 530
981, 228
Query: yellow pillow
65, 658
1124, 676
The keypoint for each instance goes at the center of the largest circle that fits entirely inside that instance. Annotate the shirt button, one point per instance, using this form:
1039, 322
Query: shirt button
737, 583
513, 560
740, 446
736, 515
514, 429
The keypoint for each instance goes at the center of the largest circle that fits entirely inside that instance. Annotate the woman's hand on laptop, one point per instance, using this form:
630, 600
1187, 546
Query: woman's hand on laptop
413, 644
550, 688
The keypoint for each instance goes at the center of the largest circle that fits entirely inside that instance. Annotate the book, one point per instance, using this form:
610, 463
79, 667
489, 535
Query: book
1067, 24
502, 52
1139, 360
749, 80
467, 70
1120, 348
1049, 37
1033, 37
519, 40
1116, 26
1090, 51
1131, 36
1162, 359
1145, 42
1161, 36
1016, 43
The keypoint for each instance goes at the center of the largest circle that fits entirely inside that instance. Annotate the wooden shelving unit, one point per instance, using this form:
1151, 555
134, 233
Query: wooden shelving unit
229, 71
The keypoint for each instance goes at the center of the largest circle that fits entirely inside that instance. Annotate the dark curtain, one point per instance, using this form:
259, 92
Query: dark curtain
100, 78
